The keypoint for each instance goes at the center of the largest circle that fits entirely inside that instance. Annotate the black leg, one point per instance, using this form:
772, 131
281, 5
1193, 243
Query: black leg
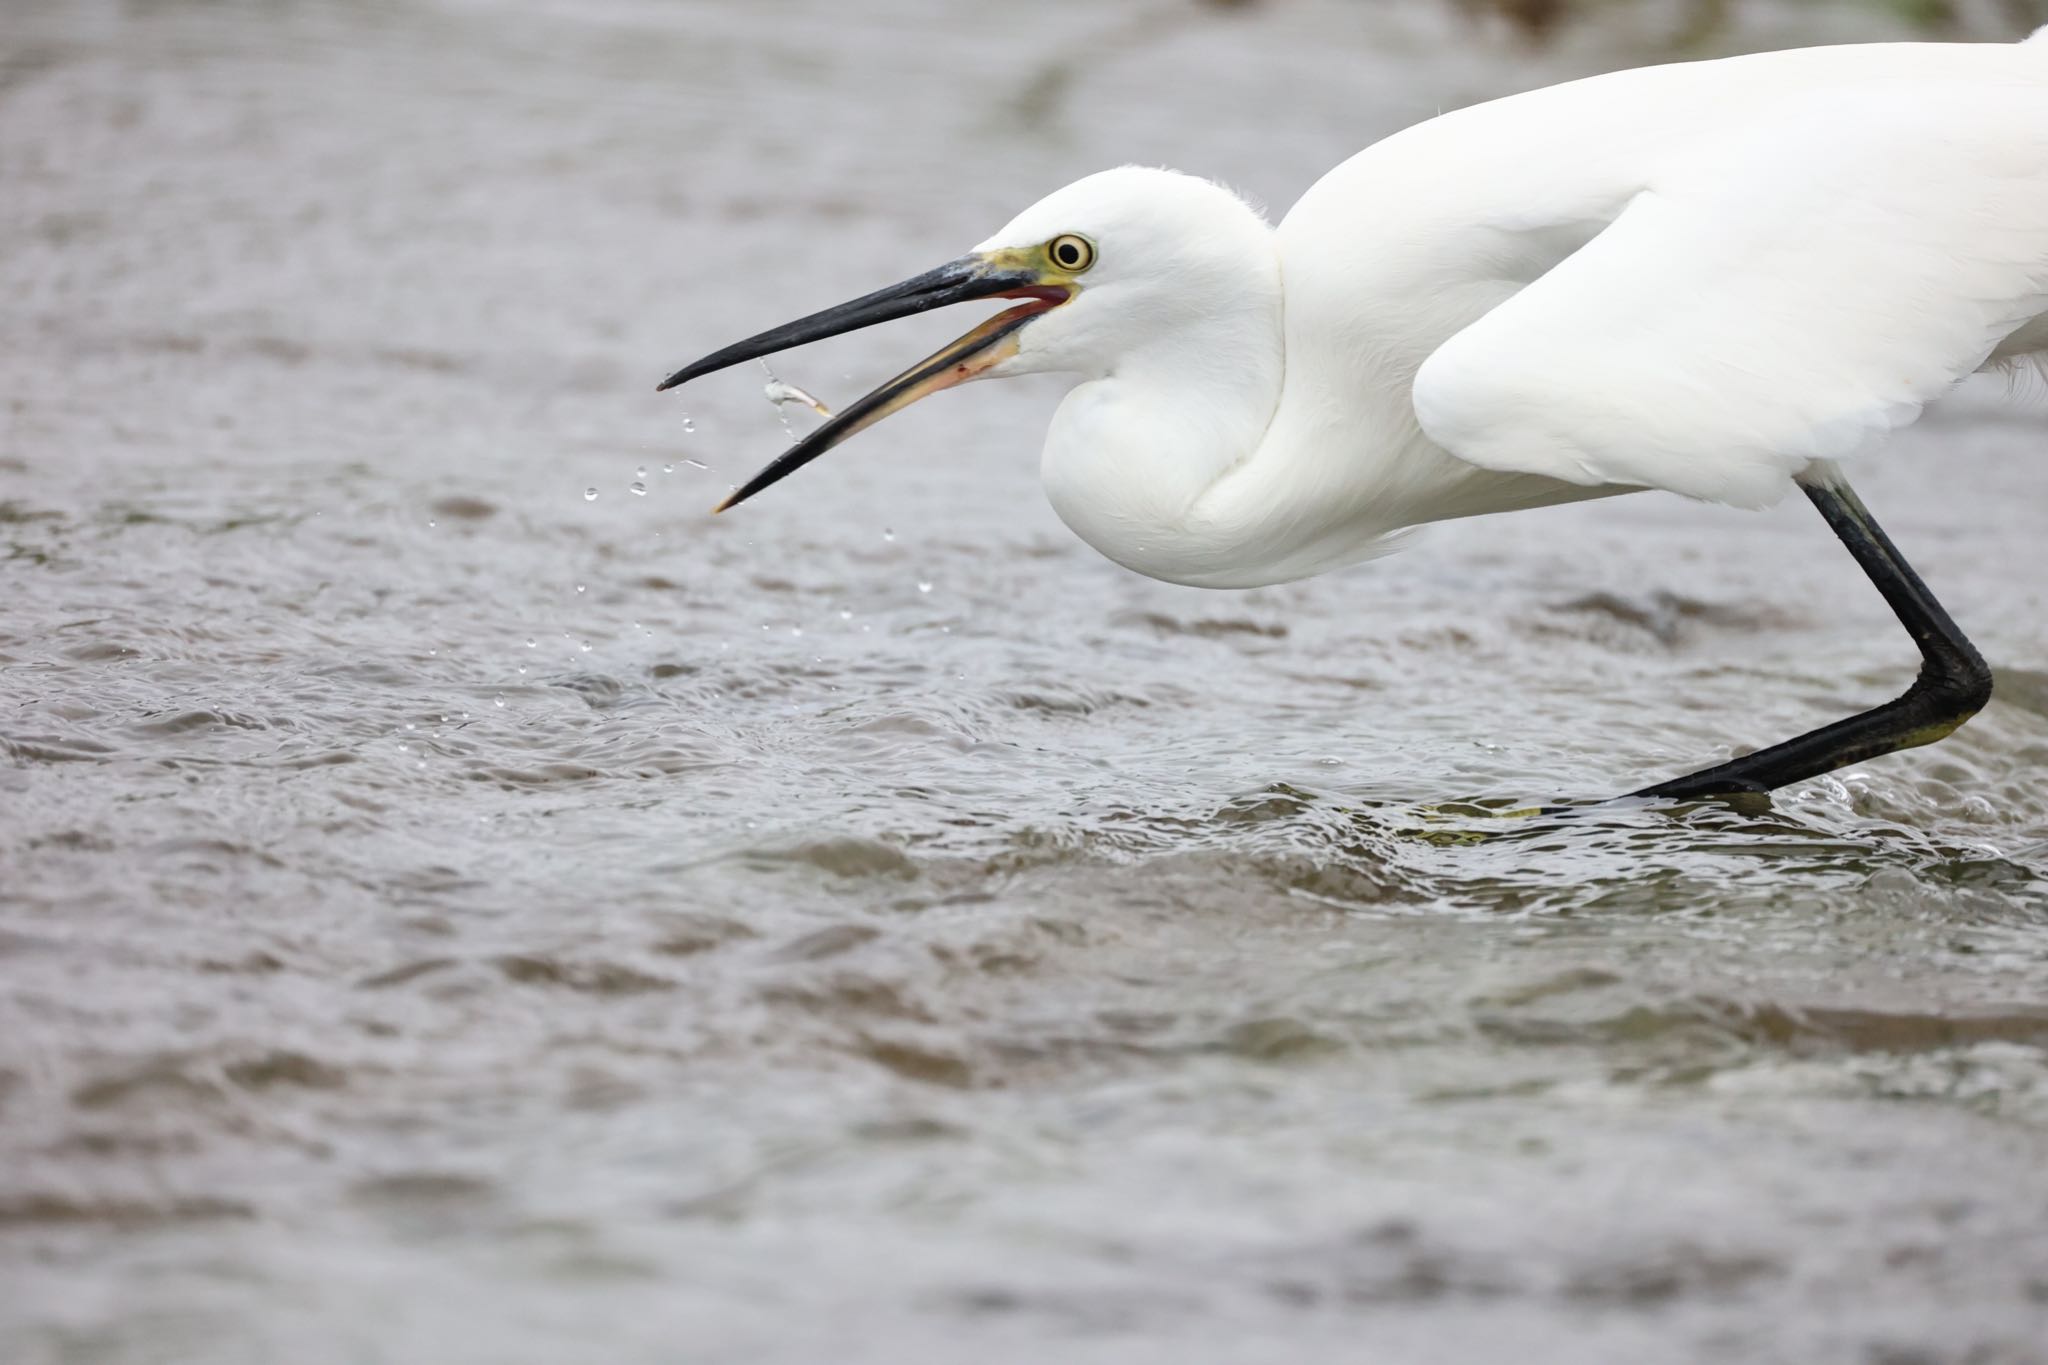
1953, 685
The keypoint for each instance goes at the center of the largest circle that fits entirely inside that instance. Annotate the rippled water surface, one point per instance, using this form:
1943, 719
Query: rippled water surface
447, 916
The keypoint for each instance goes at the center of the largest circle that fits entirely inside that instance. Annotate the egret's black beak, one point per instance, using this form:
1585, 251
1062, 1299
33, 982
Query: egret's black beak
970, 277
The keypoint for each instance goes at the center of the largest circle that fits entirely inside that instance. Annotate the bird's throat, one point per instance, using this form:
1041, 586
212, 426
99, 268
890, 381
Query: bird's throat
1130, 457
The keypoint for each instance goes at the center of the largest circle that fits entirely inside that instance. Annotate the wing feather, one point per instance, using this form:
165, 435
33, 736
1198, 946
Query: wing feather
1785, 293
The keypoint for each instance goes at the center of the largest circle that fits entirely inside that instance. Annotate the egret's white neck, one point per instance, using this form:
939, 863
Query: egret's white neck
1132, 451
1201, 455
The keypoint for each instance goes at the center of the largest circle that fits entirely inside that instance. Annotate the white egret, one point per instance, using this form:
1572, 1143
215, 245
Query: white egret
1719, 279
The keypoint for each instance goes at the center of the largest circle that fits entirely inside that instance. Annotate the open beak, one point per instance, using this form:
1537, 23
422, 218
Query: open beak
994, 341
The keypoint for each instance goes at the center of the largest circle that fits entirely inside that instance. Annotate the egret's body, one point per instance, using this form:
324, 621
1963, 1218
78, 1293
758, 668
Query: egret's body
1791, 183
1717, 279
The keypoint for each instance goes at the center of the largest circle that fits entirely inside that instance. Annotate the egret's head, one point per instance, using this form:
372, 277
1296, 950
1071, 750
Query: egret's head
1102, 266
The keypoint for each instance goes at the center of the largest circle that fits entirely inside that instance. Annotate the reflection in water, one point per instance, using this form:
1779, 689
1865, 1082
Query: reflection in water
455, 908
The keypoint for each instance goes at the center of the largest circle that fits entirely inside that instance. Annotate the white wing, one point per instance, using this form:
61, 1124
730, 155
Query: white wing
1783, 293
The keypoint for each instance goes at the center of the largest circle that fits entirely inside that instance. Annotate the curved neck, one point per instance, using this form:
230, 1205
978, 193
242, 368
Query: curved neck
1131, 452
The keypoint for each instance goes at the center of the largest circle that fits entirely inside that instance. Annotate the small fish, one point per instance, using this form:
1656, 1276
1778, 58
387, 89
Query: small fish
780, 391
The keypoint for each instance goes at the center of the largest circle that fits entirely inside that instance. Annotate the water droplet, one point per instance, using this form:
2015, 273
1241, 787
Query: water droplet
584, 647
499, 699
430, 523
639, 489
531, 642
688, 425
641, 472
522, 668
923, 586
888, 535
590, 495
581, 589
796, 630
845, 615
668, 468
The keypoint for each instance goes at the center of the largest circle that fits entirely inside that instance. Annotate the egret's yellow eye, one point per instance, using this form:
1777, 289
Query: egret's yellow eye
1071, 253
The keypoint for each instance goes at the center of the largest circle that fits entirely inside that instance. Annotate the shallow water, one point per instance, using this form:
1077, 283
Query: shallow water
447, 917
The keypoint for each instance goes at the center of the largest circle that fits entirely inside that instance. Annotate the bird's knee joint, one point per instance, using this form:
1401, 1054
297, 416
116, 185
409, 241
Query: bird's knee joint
1967, 688
1952, 691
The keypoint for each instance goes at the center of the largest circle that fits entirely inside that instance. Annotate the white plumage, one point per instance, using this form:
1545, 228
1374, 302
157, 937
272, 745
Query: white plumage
1780, 287
1719, 279
1699, 278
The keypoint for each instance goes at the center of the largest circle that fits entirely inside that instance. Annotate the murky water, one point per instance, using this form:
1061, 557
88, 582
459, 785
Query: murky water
448, 916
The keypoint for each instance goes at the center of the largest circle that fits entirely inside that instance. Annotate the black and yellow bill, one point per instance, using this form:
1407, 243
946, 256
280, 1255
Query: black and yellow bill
1002, 274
